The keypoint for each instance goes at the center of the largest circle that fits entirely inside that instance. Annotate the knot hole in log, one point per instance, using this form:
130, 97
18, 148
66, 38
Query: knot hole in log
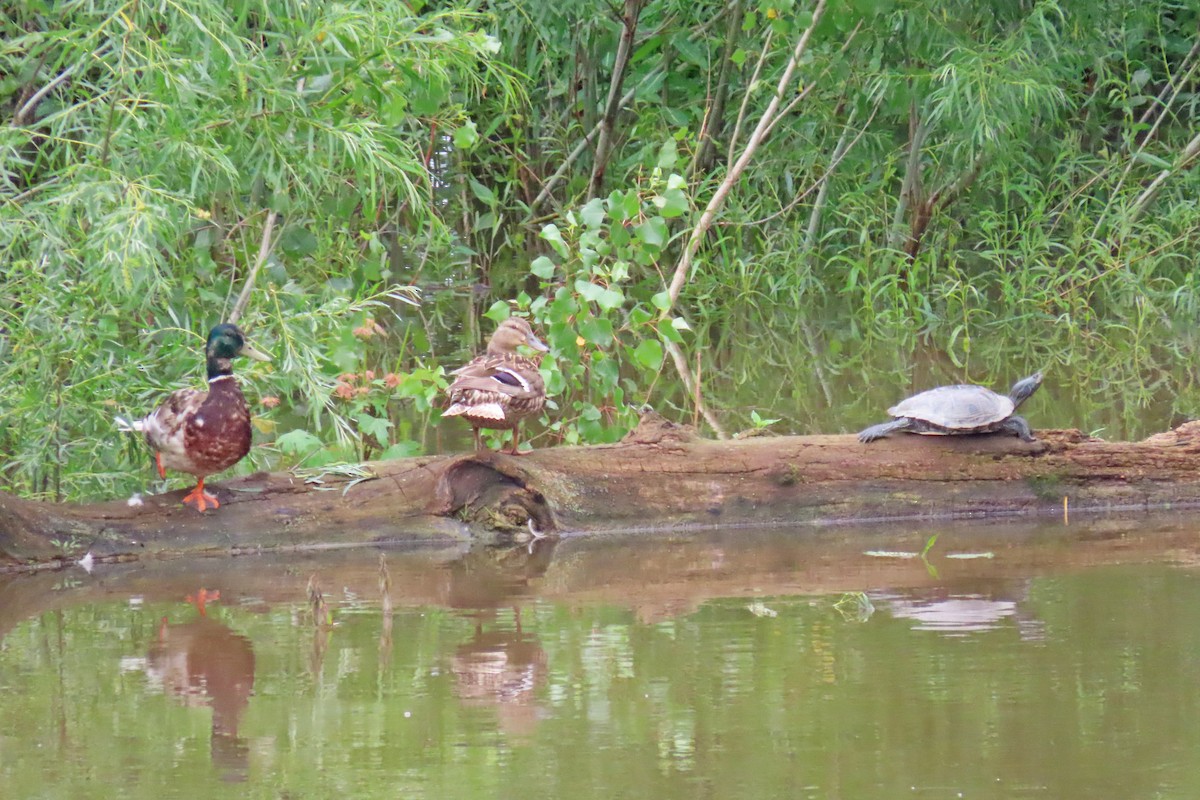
490, 490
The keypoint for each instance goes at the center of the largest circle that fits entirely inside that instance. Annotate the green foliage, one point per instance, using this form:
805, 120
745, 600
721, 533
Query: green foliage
600, 321
980, 186
142, 148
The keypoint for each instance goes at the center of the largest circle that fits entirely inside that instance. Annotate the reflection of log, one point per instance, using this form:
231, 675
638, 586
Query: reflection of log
659, 477
653, 578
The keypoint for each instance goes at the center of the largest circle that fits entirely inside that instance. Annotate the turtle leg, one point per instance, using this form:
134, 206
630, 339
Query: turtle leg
883, 429
1018, 427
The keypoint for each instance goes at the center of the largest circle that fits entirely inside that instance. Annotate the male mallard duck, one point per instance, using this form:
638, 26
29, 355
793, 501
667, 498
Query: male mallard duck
202, 432
501, 387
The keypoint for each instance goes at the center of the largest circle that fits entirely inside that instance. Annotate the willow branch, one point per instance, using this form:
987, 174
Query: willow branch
574, 155
741, 117
264, 250
1189, 154
31, 104
799, 98
839, 154
1148, 194
715, 122
910, 187
683, 268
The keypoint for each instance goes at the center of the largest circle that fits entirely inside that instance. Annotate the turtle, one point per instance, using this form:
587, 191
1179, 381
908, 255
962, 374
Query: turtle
949, 410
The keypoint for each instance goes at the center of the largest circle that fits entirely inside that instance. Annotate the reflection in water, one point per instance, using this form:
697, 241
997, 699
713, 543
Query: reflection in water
507, 679
203, 662
500, 667
489, 577
964, 607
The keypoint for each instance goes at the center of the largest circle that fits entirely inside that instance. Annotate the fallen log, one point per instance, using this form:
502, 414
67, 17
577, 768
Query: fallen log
660, 477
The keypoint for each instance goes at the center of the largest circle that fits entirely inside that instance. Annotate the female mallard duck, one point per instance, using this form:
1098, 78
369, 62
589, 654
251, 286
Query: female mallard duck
501, 387
202, 432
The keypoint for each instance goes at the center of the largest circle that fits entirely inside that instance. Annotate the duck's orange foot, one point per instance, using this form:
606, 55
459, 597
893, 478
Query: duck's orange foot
202, 597
162, 471
200, 499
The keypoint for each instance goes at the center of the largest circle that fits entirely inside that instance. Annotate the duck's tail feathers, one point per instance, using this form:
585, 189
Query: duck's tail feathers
491, 411
125, 426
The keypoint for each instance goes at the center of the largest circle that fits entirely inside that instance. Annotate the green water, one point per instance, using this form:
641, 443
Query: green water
1064, 664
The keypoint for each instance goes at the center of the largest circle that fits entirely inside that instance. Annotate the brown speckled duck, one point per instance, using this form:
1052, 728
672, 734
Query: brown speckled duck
501, 387
203, 432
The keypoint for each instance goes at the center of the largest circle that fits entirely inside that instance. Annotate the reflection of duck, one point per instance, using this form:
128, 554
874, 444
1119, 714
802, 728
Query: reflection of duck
961, 608
499, 667
204, 662
502, 668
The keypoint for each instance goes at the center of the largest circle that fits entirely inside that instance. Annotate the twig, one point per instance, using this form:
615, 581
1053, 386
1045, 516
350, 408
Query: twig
741, 117
558, 175
553, 181
1147, 193
1189, 154
629, 22
839, 152
32, 103
693, 389
798, 99
839, 155
1167, 88
714, 120
909, 187
683, 268
264, 250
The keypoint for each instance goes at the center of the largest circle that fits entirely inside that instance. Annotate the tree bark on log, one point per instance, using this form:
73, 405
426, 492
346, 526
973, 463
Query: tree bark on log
660, 477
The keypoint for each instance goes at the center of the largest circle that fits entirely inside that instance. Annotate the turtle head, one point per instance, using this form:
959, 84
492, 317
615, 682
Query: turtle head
1023, 389
512, 332
226, 342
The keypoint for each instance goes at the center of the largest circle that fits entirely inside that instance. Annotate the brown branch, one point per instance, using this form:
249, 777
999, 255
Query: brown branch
1189, 154
683, 268
693, 389
633, 10
716, 116
264, 250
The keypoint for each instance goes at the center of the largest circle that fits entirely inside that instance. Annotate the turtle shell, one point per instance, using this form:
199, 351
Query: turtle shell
956, 408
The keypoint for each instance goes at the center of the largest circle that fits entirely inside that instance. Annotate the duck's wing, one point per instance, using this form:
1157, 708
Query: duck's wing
166, 425
510, 377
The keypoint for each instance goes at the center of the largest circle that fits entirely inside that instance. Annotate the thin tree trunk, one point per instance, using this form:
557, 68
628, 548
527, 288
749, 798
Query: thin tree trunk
633, 10
910, 187
575, 153
716, 117
1185, 159
264, 250
814, 217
